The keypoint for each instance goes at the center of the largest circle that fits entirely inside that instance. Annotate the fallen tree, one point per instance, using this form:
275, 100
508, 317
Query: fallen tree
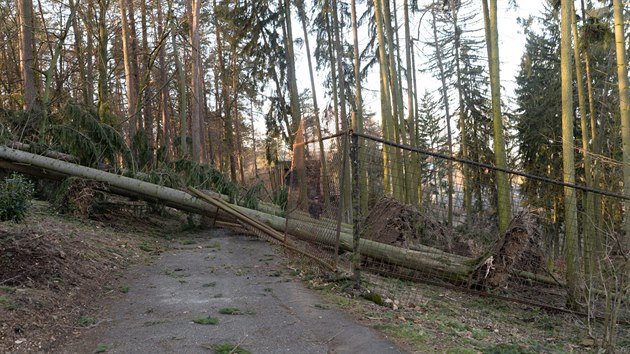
449, 267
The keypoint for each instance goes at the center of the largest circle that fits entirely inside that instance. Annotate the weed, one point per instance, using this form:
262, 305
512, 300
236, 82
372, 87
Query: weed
219, 295
188, 242
267, 290
215, 245
87, 321
16, 193
100, 348
7, 289
235, 311
228, 348
7, 303
407, 331
206, 320
146, 247
210, 284
124, 289
322, 306
374, 297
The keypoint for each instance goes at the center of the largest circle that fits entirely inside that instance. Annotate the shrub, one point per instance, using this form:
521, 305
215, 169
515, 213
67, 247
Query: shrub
16, 193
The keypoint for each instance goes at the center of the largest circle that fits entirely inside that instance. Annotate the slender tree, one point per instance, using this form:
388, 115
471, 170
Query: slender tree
503, 182
25, 23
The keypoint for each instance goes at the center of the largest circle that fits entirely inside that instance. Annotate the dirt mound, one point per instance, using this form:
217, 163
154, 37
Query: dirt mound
51, 270
405, 226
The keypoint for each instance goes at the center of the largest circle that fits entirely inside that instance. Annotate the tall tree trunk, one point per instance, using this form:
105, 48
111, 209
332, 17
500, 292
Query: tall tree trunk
25, 18
165, 119
449, 134
413, 171
359, 126
347, 187
588, 199
386, 101
296, 114
568, 158
398, 176
318, 127
462, 115
103, 89
130, 77
147, 90
183, 95
196, 119
79, 52
624, 108
504, 197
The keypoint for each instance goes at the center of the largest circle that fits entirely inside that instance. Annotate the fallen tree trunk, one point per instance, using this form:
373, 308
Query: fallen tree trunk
439, 263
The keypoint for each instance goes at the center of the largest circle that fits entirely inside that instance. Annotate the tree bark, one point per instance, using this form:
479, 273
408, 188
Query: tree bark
25, 19
624, 108
196, 90
504, 198
568, 158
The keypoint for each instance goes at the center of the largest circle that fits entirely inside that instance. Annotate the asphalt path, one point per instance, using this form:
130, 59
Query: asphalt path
272, 310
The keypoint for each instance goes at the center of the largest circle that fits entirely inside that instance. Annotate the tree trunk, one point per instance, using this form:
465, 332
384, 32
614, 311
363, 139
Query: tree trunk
568, 158
449, 134
588, 199
165, 119
103, 94
318, 127
130, 76
196, 119
624, 108
504, 197
25, 20
183, 96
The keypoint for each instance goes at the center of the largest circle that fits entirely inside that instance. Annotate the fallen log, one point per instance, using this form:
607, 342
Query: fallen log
428, 260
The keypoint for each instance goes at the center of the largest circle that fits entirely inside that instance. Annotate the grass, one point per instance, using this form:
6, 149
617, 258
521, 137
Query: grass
154, 322
235, 311
206, 320
100, 348
124, 289
322, 306
7, 303
86, 321
228, 348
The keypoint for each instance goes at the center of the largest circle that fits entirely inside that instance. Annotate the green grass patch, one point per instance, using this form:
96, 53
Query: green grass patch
229, 348
407, 331
100, 348
215, 245
7, 303
176, 273
86, 321
235, 311
124, 289
206, 320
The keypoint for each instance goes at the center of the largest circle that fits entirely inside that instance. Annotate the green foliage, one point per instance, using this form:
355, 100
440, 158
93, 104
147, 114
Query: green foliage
281, 197
227, 348
205, 177
251, 197
206, 320
79, 132
16, 193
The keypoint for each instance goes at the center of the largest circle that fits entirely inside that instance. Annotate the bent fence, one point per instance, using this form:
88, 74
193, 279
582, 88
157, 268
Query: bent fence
420, 215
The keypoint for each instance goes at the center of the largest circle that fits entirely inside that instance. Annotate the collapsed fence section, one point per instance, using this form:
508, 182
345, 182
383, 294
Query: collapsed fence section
420, 215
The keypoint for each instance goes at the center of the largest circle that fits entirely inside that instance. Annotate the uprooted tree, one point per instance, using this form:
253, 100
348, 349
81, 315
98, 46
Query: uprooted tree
488, 269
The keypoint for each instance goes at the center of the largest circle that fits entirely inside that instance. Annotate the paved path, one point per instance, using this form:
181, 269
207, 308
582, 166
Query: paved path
225, 270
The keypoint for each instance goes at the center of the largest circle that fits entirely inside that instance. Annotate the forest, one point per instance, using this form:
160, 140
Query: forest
223, 94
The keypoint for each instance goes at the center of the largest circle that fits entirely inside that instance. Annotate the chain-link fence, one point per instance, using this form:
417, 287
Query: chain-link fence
416, 215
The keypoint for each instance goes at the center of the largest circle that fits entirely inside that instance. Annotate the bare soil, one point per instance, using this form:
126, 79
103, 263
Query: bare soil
53, 268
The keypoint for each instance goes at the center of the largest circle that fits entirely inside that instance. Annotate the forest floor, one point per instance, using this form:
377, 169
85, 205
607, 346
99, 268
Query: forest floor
140, 282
